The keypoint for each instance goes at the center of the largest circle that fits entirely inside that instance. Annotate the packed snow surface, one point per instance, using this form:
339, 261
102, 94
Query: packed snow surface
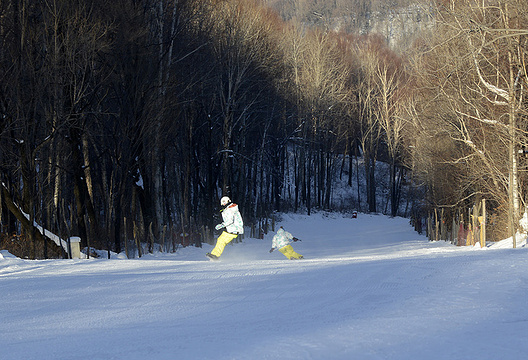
368, 288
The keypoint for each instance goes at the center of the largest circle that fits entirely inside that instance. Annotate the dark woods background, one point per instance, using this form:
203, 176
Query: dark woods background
129, 119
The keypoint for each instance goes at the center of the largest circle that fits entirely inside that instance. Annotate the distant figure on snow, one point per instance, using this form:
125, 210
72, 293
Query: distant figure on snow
233, 224
282, 240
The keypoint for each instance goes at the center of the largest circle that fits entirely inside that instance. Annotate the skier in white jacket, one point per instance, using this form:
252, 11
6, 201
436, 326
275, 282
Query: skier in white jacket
233, 224
282, 240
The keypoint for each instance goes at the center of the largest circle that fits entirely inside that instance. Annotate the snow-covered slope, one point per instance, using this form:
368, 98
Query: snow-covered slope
368, 288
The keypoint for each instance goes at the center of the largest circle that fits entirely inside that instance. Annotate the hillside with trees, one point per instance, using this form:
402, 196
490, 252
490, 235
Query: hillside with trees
400, 22
125, 121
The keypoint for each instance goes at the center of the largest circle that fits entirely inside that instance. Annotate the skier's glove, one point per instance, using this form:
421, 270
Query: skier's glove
219, 226
295, 239
271, 250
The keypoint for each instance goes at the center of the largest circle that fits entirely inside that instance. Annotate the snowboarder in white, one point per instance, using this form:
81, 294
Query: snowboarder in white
233, 224
282, 240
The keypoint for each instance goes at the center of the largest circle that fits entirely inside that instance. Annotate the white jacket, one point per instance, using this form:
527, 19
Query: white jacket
281, 239
232, 220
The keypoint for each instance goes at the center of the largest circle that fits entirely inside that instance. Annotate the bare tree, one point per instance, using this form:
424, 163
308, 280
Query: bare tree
368, 49
391, 82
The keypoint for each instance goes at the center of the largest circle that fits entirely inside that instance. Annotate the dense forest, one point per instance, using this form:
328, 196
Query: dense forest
130, 119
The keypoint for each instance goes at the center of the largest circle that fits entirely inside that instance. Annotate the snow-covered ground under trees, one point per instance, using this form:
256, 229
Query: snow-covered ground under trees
368, 288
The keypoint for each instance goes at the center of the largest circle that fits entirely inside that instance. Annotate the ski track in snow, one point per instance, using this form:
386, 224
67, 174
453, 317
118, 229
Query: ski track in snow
368, 288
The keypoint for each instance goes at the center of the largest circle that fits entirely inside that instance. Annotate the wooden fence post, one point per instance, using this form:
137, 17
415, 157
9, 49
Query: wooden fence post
75, 245
126, 236
436, 225
483, 225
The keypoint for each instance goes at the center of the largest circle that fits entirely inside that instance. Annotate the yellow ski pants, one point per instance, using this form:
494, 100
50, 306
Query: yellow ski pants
289, 252
224, 239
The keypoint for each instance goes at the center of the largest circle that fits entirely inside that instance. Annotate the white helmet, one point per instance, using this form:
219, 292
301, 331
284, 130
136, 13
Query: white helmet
225, 200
